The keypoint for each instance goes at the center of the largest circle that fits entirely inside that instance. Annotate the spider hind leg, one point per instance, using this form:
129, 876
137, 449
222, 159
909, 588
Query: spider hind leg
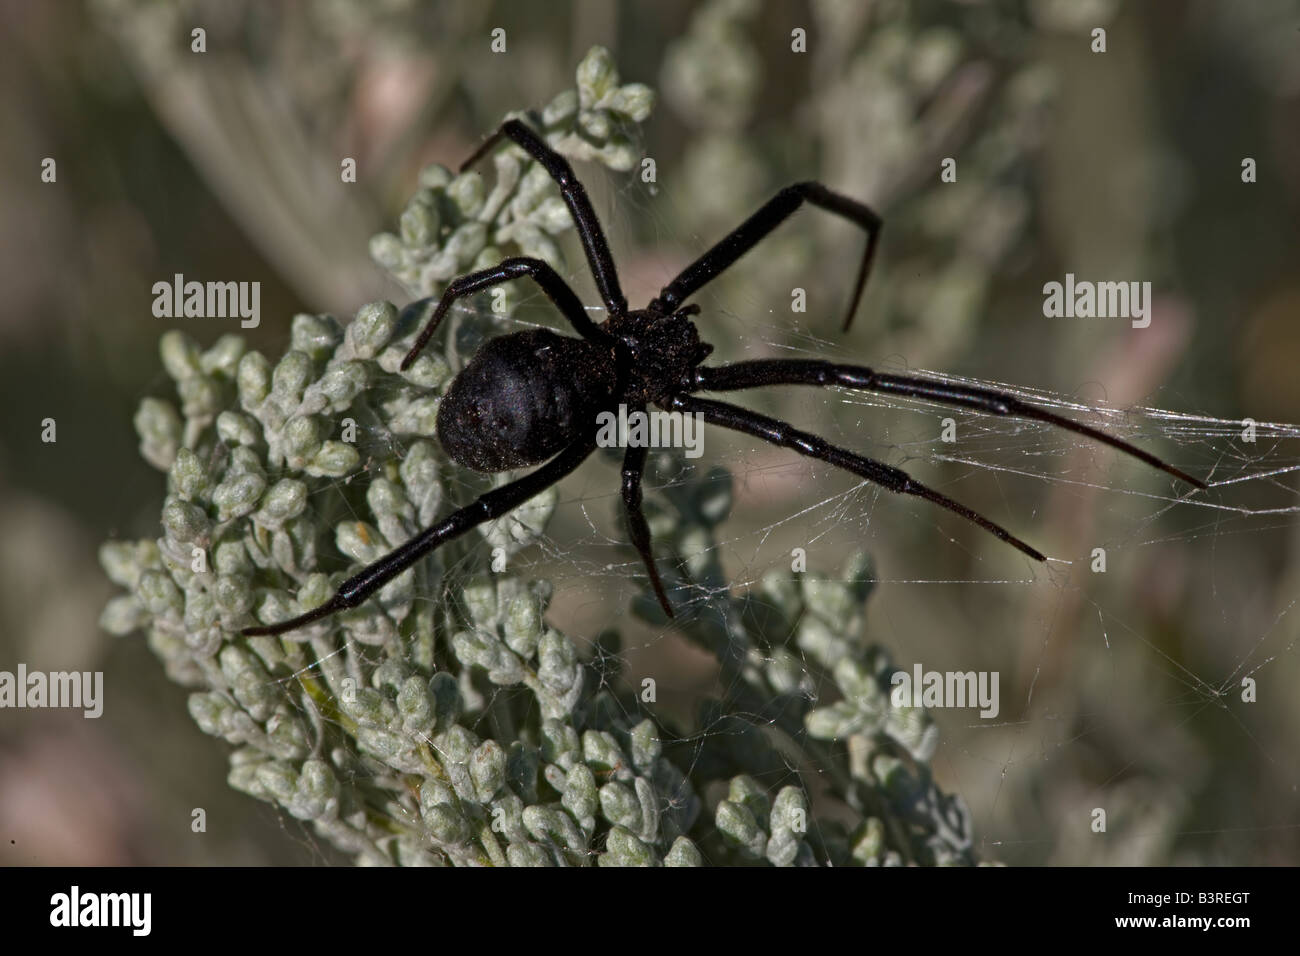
783, 435
555, 288
758, 226
575, 197
762, 372
633, 468
489, 506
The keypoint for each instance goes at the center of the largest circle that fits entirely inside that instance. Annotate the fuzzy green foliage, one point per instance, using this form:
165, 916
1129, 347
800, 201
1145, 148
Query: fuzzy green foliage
452, 225
445, 721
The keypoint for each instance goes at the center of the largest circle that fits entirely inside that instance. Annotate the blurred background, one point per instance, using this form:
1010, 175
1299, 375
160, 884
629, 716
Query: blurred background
1119, 690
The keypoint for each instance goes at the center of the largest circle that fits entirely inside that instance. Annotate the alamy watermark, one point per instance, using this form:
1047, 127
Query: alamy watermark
957, 689
208, 300
655, 429
128, 910
78, 689
1100, 300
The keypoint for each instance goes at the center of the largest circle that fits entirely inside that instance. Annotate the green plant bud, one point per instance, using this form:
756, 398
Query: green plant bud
487, 768
235, 428
159, 426
290, 377
253, 380
222, 359
314, 335
624, 849
386, 250
601, 751
286, 499
238, 496
683, 853
180, 356
371, 330
618, 805
738, 827
333, 459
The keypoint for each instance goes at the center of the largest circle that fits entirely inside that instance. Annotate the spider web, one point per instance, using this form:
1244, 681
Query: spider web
1119, 689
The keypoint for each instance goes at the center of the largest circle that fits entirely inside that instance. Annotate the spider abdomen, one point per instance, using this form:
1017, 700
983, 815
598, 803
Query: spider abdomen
522, 399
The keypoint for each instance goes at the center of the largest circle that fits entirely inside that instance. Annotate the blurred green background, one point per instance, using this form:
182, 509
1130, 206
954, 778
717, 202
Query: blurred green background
1118, 690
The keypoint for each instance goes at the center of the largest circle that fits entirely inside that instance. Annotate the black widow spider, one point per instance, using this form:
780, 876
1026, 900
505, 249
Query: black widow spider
527, 397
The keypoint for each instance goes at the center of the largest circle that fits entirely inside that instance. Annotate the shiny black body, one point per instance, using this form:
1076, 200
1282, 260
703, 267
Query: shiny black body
522, 398
533, 397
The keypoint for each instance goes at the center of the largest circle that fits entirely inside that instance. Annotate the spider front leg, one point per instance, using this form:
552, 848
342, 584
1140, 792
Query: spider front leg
556, 289
785, 435
493, 504
757, 227
817, 372
575, 197
633, 468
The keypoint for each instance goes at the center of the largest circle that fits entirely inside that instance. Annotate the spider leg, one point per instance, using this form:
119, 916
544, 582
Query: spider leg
490, 505
575, 197
756, 228
556, 289
785, 435
633, 468
817, 372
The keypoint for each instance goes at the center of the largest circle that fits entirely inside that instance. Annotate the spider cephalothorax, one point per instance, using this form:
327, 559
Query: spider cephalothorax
533, 397
656, 354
